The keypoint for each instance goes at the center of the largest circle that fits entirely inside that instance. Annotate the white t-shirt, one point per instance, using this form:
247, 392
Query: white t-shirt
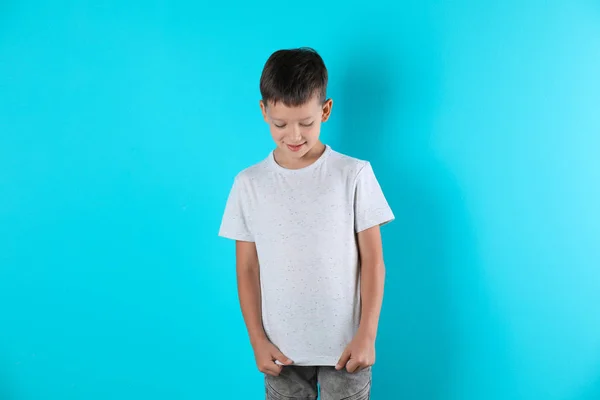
304, 224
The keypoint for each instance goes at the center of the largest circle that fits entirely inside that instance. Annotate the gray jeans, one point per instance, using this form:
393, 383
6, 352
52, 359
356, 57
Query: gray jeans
298, 382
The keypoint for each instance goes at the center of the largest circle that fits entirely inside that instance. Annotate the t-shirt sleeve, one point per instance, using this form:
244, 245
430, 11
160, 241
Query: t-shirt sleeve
235, 223
370, 205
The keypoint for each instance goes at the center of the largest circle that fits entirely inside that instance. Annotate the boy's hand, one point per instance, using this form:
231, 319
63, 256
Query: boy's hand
359, 354
265, 354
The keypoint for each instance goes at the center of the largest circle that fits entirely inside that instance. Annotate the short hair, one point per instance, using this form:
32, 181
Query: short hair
294, 76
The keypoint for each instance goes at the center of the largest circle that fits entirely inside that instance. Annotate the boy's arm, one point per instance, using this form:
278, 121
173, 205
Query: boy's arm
248, 278
371, 281
360, 353
248, 282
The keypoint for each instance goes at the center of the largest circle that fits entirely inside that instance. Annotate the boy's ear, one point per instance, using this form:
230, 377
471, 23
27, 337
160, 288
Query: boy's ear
326, 110
263, 109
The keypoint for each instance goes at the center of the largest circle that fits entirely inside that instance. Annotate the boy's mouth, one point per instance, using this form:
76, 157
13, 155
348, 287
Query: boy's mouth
295, 148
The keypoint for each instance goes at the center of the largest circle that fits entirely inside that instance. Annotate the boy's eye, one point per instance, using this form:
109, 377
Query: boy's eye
284, 125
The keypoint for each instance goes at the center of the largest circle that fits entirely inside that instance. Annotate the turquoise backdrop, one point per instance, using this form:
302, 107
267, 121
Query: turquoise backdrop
122, 125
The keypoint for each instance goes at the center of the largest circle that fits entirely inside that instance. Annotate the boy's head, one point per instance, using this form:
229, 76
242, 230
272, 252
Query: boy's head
293, 86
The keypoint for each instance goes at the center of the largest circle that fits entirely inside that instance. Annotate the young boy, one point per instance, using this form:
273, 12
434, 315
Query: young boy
308, 247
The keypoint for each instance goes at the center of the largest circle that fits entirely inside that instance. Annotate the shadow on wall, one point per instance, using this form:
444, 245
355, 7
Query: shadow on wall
387, 121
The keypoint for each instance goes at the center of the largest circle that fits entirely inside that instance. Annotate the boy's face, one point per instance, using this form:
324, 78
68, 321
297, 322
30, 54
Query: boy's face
296, 130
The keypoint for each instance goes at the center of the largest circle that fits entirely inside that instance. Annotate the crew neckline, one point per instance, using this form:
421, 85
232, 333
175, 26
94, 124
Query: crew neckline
309, 167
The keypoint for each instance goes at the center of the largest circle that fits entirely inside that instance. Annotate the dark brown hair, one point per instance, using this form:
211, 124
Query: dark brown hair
293, 77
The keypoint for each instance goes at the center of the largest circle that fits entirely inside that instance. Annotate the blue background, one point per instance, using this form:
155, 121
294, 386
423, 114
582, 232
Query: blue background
123, 125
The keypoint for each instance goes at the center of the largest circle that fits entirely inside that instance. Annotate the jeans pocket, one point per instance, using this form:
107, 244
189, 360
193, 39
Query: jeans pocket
363, 394
275, 390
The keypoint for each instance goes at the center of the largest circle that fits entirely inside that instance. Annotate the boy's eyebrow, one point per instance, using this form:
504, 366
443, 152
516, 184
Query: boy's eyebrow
281, 120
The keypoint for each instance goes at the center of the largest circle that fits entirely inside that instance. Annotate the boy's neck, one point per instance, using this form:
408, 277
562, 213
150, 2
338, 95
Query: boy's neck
312, 156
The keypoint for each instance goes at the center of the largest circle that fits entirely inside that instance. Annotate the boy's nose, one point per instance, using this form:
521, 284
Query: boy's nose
296, 136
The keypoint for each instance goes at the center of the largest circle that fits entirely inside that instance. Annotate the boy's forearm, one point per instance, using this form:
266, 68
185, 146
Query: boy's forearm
372, 284
249, 295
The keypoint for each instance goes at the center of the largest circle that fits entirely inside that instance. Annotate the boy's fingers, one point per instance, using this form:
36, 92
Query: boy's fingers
279, 356
343, 359
352, 366
272, 369
275, 369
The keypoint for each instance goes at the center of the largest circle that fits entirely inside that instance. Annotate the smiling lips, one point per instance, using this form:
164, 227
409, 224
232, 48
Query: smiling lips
295, 148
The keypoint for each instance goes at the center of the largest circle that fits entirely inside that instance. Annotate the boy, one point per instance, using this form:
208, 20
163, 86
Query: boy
308, 246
